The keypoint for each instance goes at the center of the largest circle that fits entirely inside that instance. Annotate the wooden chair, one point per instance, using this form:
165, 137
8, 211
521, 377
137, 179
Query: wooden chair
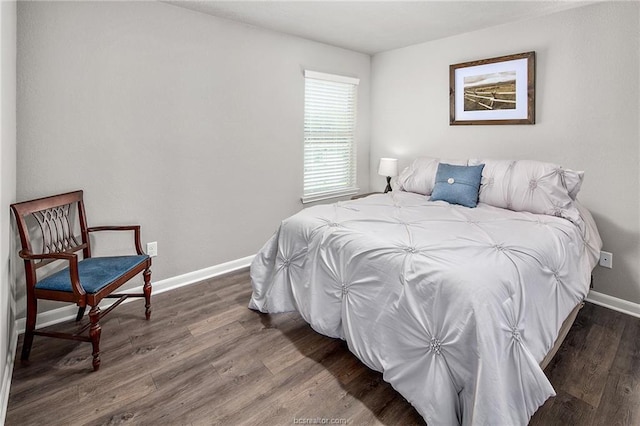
84, 282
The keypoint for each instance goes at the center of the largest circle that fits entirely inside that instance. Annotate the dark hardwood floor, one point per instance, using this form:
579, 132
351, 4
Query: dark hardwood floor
204, 359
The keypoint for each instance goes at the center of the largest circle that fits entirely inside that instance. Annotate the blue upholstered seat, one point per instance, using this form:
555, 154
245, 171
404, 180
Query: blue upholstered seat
95, 273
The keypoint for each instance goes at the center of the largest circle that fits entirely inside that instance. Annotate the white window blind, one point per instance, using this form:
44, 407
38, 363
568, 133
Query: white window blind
329, 136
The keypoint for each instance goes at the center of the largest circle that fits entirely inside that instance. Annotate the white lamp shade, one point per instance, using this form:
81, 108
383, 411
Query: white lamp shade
388, 167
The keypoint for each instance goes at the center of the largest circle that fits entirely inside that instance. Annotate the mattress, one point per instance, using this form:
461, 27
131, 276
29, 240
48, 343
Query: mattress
455, 306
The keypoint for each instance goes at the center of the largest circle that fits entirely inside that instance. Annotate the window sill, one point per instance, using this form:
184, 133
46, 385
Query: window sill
328, 195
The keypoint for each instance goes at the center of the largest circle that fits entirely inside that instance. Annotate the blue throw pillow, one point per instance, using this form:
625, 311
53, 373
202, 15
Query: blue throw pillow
457, 184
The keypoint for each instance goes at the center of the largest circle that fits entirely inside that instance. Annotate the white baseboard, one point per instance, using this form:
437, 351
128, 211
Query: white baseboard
5, 387
614, 303
66, 313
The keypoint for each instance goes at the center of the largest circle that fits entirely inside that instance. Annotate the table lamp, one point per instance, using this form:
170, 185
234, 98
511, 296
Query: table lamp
388, 167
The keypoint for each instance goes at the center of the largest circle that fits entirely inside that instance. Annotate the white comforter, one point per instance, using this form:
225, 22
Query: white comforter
455, 306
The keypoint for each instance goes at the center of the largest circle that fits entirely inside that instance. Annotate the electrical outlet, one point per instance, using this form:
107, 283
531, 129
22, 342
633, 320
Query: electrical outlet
152, 249
606, 259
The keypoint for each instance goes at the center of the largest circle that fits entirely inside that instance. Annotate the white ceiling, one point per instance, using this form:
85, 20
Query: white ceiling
375, 26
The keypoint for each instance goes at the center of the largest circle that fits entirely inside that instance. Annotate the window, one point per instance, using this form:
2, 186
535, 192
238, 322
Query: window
329, 136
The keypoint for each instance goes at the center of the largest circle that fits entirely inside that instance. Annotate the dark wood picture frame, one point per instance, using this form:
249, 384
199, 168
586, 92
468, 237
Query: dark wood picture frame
477, 101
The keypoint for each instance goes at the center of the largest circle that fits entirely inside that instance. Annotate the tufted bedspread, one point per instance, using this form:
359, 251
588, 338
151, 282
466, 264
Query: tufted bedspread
455, 306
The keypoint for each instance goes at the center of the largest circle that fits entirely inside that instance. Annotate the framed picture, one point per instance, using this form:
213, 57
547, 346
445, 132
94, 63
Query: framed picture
493, 91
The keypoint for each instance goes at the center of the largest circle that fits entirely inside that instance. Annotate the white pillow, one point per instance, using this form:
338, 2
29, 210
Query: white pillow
420, 175
531, 186
572, 181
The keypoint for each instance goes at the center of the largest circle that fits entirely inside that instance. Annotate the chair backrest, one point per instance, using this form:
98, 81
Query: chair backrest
54, 217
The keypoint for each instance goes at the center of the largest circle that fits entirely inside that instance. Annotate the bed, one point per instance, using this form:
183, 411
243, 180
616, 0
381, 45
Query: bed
456, 306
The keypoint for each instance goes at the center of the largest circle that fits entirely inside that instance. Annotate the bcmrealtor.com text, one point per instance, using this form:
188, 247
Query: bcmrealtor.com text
318, 421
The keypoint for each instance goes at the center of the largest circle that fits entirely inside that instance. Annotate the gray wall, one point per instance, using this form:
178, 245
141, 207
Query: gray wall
587, 110
7, 189
192, 125
188, 124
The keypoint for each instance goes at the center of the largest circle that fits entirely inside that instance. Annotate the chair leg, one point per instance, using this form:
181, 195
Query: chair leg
94, 333
147, 293
80, 313
32, 312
